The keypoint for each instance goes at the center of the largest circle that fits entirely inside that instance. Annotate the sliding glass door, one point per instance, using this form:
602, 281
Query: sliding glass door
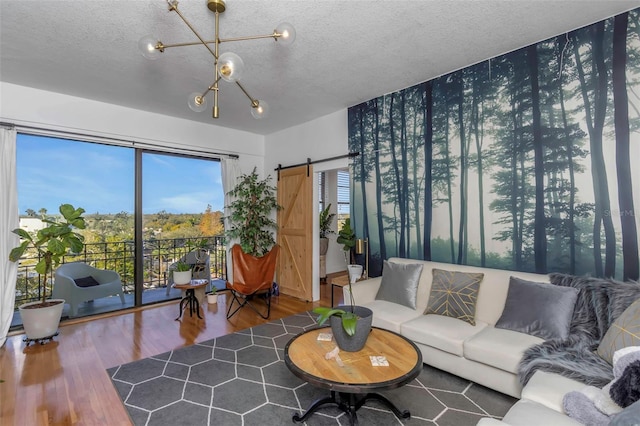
182, 203
144, 210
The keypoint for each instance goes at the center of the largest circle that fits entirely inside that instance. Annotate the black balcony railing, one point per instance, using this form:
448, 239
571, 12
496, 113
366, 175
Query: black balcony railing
119, 256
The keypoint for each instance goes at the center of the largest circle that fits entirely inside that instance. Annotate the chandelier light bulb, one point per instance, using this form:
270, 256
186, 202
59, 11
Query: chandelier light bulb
260, 109
230, 67
147, 46
288, 33
197, 102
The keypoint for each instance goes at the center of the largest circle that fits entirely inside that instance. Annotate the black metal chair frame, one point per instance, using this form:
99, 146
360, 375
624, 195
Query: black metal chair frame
245, 300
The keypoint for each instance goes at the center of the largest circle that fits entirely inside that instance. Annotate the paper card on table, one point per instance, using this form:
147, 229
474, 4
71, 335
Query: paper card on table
379, 361
325, 337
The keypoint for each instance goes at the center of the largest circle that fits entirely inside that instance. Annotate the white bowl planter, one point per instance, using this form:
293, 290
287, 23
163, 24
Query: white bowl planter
182, 277
355, 272
39, 323
212, 299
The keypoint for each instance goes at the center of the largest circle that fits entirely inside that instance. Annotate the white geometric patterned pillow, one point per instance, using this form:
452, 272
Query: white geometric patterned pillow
624, 332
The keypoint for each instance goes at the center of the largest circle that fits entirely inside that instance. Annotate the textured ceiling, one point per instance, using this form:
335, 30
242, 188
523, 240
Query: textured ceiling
345, 52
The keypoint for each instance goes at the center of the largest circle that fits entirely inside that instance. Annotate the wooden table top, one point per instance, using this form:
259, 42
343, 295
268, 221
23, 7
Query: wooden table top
192, 285
305, 357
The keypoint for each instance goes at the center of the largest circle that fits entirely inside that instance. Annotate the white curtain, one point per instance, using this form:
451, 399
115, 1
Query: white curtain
8, 221
230, 174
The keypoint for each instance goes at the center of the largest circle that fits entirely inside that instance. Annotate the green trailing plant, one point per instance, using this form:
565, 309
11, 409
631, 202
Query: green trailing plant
325, 220
251, 220
53, 241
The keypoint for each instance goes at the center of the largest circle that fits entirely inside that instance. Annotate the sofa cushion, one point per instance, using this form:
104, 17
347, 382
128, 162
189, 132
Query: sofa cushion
389, 315
530, 413
400, 283
86, 281
454, 294
441, 332
624, 332
539, 309
499, 348
549, 389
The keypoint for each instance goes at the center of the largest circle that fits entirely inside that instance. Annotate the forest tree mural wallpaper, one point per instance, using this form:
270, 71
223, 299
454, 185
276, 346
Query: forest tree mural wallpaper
528, 161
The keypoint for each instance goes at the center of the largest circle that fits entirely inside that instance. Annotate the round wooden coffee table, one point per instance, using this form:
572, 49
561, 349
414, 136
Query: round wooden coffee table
357, 380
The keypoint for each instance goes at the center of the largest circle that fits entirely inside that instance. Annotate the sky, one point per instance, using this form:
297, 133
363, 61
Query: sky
100, 178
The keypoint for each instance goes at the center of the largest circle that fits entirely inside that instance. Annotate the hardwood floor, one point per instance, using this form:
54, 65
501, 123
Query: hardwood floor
65, 383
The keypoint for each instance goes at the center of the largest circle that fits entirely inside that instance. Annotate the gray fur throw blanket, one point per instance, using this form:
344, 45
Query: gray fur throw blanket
600, 301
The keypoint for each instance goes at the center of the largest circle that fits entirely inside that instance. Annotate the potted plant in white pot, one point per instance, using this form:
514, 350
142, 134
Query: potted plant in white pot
212, 296
182, 273
347, 237
58, 238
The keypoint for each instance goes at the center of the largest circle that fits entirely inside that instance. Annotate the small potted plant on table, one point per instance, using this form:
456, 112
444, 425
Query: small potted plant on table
182, 273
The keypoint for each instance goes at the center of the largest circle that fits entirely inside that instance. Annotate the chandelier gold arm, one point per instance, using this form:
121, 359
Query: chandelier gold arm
254, 102
174, 7
273, 35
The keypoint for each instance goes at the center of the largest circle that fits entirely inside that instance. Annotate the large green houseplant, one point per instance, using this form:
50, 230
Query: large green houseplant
58, 238
324, 221
251, 220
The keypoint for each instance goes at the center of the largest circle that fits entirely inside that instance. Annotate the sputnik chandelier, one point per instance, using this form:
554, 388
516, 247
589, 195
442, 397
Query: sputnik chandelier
228, 66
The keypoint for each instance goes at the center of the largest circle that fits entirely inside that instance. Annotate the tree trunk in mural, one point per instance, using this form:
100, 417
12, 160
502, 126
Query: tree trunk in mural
539, 236
428, 156
417, 111
405, 220
595, 121
572, 180
463, 171
600, 112
478, 133
449, 177
378, 194
623, 161
364, 174
398, 184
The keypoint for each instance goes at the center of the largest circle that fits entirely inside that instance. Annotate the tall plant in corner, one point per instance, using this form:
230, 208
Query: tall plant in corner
53, 241
251, 217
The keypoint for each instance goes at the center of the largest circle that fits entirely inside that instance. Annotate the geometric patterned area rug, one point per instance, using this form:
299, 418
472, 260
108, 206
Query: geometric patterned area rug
241, 379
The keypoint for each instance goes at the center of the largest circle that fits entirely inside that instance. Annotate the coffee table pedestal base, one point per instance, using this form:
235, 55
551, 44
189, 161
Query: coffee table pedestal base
349, 403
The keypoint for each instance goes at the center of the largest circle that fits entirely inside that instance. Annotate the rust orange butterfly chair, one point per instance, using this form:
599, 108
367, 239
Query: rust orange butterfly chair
252, 279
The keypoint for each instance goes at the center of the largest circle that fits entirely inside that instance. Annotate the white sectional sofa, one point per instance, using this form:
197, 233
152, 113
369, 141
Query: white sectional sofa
481, 353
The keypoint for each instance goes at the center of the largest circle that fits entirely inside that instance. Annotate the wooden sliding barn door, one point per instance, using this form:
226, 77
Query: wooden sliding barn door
295, 233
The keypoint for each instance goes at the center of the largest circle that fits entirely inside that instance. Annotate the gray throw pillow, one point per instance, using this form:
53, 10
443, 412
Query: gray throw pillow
454, 294
630, 416
539, 309
400, 283
624, 332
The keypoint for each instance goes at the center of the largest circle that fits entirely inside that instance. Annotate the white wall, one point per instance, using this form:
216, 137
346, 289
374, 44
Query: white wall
324, 137
321, 138
33, 107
